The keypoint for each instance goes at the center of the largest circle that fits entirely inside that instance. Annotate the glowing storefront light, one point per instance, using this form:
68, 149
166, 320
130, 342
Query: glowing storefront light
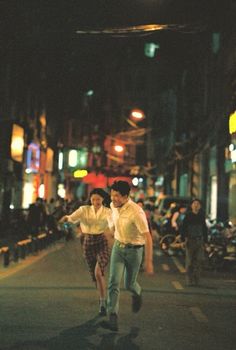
17, 143
233, 156
135, 181
72, 160
80, 173
60, 161
41, 191
61, 191
28, 194
119, 148
232, 123
33, 157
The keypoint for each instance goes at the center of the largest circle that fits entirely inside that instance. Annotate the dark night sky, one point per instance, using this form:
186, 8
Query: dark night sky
39, 37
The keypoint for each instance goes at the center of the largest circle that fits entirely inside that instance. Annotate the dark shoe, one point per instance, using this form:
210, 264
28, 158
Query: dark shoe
113, 322
102, 311
136, 302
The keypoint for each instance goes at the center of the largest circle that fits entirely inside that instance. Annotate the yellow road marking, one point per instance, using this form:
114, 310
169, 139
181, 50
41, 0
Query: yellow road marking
180, 267
177, 285
198, 314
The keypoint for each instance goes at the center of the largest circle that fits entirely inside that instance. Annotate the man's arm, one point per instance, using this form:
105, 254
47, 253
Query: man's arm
148, 253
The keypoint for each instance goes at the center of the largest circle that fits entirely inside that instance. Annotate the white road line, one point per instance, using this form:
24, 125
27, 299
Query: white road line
165, 267
198, 314
177, 285
180, 267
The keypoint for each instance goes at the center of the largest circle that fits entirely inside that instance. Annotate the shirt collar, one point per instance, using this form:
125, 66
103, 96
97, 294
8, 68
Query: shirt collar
99, 210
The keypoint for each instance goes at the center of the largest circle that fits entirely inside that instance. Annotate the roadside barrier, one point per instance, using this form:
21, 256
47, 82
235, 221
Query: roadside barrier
28, 246
5, 251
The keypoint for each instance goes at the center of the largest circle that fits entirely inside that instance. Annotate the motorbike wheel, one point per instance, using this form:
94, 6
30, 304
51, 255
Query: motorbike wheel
165, 243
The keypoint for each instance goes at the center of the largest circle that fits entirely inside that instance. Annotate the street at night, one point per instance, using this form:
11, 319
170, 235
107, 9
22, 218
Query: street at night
50, 303
117, 117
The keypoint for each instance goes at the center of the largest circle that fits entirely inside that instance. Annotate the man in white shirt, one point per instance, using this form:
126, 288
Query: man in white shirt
131, 236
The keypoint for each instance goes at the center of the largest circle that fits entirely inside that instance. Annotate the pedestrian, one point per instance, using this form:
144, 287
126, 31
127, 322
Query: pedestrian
194, 234
177, 218
36, 216
131, 234
94, 220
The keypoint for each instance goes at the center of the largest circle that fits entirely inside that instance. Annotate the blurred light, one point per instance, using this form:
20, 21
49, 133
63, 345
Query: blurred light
137, 114
80, 173
119, 148
140, 179
72, 158
43, 120
60, 161
28, 171
89, 93
150, 49
83, 157
33, 157
28, 194
12, 206
231, 147
232, 123
61, 191
41, 191
135, 181
233, 156
215, 42
17, 143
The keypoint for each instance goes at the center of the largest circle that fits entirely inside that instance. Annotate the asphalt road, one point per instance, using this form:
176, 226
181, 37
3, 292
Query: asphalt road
48, 302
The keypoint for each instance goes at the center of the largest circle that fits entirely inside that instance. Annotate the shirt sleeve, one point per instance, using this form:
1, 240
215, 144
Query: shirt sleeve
110, 219
141, 221
76, 216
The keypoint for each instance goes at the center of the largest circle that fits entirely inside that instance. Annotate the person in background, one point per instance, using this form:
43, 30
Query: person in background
36, 216
94, 221
194, 234
177, 218
131, 235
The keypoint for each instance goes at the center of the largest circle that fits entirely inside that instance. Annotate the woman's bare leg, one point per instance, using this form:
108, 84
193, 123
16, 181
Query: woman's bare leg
101, 283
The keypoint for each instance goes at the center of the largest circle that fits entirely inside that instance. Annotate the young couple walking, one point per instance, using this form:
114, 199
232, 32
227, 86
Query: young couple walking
128, 223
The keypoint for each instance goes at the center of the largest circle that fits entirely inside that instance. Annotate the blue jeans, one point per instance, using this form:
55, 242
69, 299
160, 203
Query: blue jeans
124, 261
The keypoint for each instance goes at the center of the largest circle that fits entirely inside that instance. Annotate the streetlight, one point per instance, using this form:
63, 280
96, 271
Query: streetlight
119, 148
136, 115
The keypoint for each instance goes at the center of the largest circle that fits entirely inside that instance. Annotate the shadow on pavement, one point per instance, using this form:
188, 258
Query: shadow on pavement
87, 336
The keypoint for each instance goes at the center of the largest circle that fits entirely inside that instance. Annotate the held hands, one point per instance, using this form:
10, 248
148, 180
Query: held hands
63, 219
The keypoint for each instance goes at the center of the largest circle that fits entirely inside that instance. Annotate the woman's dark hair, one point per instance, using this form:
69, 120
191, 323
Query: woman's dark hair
122, 187
103, 194
98, 191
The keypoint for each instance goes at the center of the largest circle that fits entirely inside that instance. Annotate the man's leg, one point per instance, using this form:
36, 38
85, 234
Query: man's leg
189, 263
133, 262
115, 276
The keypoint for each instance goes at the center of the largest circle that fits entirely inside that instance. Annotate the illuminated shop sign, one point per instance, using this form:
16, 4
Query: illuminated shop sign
232, 123
33, 158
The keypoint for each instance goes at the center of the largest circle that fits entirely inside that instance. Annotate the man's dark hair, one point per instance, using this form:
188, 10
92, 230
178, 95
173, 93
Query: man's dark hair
122, 187
196, 200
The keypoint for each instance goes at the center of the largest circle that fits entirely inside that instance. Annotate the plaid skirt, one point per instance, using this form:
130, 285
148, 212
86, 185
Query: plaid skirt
95, 250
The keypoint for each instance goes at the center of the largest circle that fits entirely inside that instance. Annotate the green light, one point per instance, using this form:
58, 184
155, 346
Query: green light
150, 49
89, 93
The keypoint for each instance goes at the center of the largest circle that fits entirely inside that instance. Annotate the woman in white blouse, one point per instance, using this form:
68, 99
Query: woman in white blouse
94, 220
